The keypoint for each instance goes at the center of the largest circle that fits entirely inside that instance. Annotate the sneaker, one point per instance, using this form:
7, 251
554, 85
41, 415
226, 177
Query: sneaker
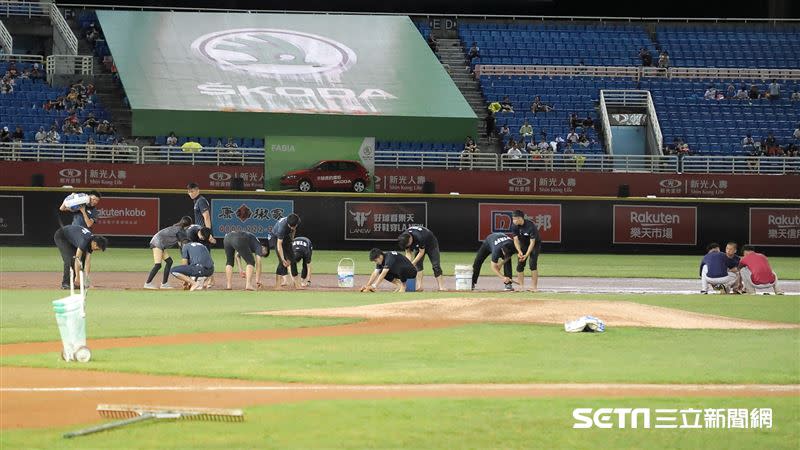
704, 292
65, 286
150, 286
509, 287
198, 284
779, 293
166, 286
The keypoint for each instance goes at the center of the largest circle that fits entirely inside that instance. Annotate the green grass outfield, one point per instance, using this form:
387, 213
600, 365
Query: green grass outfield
47, 259
544, 423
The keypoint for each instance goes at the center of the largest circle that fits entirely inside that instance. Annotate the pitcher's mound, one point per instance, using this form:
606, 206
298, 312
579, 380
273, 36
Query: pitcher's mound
614, 313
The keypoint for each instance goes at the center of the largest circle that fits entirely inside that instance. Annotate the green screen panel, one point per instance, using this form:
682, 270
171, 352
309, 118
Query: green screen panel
283, 66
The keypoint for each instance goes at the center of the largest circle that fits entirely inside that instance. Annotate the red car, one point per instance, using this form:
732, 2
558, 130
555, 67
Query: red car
329, 176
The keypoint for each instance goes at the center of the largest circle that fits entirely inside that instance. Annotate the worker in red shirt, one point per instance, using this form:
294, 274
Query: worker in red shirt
756, 272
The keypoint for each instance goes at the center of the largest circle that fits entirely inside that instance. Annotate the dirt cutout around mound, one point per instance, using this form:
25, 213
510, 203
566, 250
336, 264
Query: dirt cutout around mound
488, 310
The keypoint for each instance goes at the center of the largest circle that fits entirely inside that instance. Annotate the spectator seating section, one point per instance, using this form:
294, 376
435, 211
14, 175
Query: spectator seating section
23, 108
557, 44
27, 8
567, 95
741, 47
247, 147
716, 127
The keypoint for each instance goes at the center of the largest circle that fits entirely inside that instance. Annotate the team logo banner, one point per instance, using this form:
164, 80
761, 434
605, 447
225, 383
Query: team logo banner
775, 227
127, 216
379, 221
496, 218
12, 215
254, 216
660, 225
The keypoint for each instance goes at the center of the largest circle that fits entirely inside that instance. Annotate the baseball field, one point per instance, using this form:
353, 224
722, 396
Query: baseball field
330, 367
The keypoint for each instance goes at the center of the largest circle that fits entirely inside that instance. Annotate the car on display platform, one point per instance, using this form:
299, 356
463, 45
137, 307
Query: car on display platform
329, 175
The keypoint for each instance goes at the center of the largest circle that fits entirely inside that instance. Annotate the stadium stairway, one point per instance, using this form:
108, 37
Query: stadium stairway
451, 54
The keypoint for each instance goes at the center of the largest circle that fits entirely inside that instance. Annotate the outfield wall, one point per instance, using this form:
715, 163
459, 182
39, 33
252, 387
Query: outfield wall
345, 221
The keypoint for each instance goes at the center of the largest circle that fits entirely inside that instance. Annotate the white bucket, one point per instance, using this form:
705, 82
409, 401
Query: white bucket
463, 278
71, 320
346, 271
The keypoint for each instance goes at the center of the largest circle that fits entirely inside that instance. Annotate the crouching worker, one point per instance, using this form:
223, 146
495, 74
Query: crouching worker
166, 238
251, 250
302, 250
756, 272
391, 266
197, 266
76, 244
500, 247
715, 270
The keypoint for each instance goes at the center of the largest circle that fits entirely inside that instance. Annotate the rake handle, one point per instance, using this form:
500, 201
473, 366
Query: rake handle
109, 426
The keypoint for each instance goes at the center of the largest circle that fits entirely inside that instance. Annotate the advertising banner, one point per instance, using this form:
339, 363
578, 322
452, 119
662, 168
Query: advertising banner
657, 225
496, 218
141, 176
127, 216
286, 153
254, 216
410, 181
775, 227
12, 215
380, 221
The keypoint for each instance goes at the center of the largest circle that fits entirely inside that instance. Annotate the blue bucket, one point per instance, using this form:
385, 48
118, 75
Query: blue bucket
411, 285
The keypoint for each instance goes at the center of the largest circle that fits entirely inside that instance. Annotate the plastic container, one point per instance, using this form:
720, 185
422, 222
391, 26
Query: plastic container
74, 201
463, 277
411, 285
346, 271
71, 320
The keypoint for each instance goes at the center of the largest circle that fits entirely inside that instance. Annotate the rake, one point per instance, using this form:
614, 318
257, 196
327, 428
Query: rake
130, 414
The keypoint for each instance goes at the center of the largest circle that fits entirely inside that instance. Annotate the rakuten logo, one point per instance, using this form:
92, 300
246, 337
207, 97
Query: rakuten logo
604, 417
648, 218
783, 221
124, 212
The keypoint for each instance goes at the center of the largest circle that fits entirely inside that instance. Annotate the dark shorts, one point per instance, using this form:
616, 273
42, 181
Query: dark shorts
403, 276
240, 244
532, 262
193, 271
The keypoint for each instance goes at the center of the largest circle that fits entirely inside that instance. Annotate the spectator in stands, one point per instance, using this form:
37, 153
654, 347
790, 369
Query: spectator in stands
494, 107
753, 93
5, 135
506, 105
730, 91
474, 52
470, 148
105, 128
35, 73
711, 93
18, 135
232, 148
587, 121
432, 42
774, 90
646, 57
583, 140
748, 144
572, 137
41, 136
559, 143
526, 130
12, 69
530, 147
172, 140
90, 122
52, 136
663, 60
771, 145
796, 135
539, 106
795, 96
504, 130
514, 152
92, 34
6, 87
490, 125
741, 94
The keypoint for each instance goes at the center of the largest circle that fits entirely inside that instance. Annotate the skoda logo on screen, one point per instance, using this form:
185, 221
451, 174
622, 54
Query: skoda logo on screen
275, 53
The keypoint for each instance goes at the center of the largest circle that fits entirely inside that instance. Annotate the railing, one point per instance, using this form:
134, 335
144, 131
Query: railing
26, 151
609, 138
591, 163
566, 71
69, 65
637, 72
436, 160
63, 30
22, 58
26, 9
742, 165
208, 155
6, 42
625, 98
